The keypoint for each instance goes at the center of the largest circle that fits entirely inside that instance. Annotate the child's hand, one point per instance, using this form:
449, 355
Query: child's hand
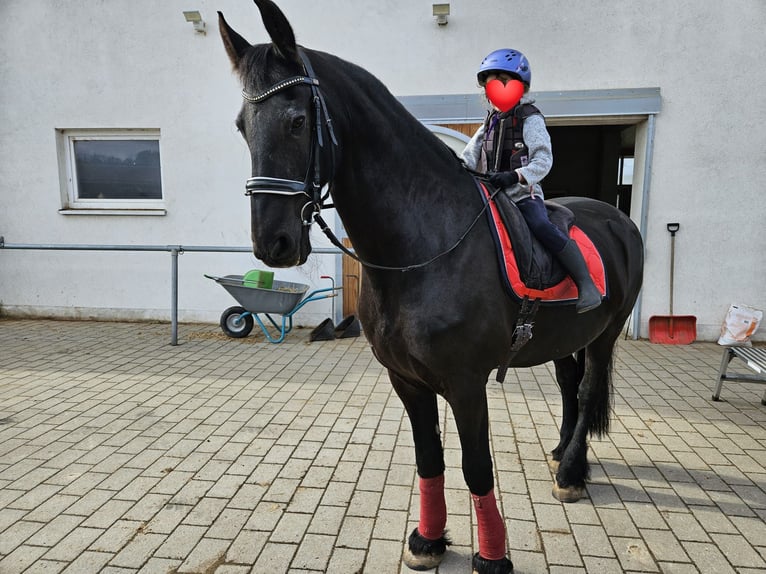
504, 179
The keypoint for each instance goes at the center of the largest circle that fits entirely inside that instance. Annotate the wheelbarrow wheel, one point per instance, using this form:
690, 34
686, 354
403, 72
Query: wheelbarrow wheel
234, 324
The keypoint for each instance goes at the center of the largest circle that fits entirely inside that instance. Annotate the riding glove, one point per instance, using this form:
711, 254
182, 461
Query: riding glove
504, 179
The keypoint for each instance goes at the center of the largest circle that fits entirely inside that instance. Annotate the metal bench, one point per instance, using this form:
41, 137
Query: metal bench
753, 357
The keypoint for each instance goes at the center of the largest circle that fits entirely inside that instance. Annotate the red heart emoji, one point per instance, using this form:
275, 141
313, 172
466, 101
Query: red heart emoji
504, 96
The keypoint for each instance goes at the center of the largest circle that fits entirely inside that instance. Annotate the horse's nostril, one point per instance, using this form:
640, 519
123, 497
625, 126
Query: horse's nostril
281, 247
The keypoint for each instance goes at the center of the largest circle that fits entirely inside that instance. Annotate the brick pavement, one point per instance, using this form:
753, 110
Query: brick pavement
122, 454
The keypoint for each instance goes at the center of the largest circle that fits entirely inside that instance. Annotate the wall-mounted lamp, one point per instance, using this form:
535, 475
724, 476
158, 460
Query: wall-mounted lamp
196, 19
441, 11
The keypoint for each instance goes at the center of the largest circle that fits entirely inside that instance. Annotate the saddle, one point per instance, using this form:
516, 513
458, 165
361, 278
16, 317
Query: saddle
538, 268
530, 271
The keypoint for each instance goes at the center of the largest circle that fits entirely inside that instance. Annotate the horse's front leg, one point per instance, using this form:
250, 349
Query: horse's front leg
427, 543
470, 409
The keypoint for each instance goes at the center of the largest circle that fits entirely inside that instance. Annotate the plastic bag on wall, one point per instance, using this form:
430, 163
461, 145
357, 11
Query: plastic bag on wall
739, 325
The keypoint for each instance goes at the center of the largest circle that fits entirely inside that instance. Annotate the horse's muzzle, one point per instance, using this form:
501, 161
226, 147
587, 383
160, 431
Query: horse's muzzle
282, 251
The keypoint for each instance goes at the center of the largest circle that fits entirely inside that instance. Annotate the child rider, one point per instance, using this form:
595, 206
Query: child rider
513, 148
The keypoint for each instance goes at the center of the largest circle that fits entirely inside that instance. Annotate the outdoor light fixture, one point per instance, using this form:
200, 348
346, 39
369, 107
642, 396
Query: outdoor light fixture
441, 11
196, 19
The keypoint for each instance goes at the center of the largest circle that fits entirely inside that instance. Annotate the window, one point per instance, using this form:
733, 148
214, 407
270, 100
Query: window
111, 171
625, 173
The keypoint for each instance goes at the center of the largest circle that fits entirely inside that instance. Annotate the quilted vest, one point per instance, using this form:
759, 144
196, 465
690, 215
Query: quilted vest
509, 151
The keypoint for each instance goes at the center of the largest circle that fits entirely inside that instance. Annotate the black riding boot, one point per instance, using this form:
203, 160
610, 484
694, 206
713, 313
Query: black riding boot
588, 296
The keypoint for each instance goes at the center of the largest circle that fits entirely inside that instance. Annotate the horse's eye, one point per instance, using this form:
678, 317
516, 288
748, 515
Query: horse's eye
298, 123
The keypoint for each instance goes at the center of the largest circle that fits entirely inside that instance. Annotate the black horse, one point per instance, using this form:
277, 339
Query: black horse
432, 304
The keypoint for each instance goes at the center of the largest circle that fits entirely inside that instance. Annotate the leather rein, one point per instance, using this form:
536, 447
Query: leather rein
311, 186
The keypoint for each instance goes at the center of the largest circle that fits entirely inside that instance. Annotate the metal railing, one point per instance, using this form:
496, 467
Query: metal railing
174, 250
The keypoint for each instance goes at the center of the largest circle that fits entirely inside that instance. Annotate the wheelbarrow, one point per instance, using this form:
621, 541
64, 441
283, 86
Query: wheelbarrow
284, 298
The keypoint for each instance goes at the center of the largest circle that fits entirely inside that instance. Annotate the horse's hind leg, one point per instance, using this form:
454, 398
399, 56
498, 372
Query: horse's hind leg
427, 543
594, 405
568, 376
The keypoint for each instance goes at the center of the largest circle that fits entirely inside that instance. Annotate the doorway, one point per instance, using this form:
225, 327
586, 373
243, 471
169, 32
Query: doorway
593, 161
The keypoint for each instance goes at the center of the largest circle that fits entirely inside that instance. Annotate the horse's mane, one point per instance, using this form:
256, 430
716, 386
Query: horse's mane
378, 101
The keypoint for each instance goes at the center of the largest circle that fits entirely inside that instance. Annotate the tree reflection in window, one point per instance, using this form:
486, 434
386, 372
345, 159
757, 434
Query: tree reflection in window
118, 169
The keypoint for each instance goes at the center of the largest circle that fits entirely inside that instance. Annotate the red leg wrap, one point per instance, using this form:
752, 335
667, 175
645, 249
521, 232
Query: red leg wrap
491, 527
433, 509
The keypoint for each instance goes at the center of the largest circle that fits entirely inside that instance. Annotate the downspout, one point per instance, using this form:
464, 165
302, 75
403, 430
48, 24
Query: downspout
644, 214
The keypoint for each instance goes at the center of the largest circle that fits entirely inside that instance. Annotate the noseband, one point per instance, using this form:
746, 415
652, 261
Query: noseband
322, 128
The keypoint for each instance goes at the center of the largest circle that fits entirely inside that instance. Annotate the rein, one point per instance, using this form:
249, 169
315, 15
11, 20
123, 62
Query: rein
335, 241
311, 186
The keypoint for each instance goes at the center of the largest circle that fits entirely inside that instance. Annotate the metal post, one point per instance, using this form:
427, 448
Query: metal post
174, 295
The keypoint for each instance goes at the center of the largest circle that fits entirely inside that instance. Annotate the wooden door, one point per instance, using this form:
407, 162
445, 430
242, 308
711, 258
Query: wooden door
352, 280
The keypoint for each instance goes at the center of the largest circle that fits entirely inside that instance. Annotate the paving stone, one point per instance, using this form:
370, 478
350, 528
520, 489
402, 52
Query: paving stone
355, 532
291, 528
592, 540
228, 524
707, 558
327, 520
664, 546
346, 560
602, 565
524, 535
275, 558
634, 555
180, 542
313, 552
207, 555
383, 556
58, 528
560, 548
138, 550
738, 551
20, 559
155, 565
73, 544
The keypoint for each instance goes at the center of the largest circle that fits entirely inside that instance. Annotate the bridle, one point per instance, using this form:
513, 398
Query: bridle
322, 129
311, 186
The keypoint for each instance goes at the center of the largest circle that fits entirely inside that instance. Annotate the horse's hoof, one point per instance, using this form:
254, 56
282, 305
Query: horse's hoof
483, 566
554, 465
423, 554
421, 561
568, 493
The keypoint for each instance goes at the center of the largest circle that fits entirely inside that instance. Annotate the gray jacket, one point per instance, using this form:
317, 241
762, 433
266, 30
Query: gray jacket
538, 141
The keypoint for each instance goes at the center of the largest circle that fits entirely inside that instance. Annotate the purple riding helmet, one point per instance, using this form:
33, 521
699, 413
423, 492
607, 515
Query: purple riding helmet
506, 60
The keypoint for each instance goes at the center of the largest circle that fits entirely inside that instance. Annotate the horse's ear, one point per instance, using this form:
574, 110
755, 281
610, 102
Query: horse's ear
279, 30
235, 45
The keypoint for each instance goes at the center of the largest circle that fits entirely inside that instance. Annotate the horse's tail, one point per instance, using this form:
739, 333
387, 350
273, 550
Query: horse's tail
600, 396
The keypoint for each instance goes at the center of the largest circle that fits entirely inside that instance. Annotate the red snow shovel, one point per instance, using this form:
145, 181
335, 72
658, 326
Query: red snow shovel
672, 329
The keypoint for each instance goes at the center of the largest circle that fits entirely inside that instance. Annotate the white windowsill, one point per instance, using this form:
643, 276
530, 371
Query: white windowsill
113, 211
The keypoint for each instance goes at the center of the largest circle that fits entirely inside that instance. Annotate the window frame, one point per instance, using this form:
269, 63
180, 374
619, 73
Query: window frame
621, 179
71, 203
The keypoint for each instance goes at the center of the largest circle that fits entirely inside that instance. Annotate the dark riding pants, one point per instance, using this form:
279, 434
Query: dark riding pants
536, 216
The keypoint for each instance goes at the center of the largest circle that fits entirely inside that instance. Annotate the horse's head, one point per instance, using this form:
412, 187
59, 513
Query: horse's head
284, 123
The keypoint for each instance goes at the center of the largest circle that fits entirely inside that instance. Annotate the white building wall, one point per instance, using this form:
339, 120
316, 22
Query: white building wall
138, 64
